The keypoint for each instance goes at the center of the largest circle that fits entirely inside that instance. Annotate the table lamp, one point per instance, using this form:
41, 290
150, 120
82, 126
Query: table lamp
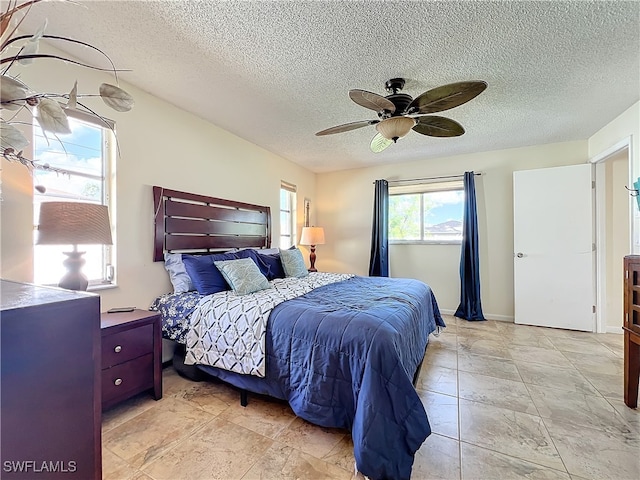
312, 236
74, 223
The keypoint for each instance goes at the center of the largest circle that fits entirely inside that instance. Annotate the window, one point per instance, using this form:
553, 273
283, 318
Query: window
85, 155
287, 215
426, 213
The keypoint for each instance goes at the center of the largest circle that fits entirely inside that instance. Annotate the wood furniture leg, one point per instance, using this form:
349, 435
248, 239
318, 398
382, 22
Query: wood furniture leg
631, 368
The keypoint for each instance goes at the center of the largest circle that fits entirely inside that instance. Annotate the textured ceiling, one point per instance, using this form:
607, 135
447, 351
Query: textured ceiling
276, 72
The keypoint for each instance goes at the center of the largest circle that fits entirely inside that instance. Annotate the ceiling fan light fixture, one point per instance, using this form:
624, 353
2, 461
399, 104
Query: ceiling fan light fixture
395, 127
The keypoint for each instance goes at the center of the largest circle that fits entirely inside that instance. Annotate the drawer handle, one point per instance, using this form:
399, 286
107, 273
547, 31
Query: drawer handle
117, 382
118, 349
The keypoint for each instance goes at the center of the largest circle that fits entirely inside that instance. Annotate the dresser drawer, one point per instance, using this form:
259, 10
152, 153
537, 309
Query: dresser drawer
126, 345
127, 379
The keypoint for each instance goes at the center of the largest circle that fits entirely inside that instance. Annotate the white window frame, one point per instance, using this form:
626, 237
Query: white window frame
288, 217
107, 180
420, 189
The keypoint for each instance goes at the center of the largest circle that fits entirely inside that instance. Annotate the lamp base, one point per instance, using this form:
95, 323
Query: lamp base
312, 259
74, 279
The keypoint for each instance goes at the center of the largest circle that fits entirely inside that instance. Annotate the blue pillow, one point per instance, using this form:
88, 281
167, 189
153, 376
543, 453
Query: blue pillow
270, 265
205, 276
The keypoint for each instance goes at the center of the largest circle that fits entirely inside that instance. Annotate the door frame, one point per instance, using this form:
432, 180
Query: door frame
600, 225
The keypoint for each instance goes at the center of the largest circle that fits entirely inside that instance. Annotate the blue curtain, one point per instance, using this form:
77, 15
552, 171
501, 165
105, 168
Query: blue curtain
470, 307
379, 261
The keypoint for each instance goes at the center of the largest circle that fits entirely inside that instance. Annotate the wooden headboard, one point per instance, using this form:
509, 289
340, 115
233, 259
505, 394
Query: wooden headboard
191, 223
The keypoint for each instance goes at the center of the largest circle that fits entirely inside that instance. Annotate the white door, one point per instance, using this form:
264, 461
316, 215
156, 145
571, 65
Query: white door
553, 247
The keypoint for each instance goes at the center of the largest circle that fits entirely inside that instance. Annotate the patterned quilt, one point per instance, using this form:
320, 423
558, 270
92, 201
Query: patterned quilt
228, 330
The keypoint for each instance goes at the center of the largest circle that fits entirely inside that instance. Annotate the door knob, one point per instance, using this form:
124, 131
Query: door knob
519, 254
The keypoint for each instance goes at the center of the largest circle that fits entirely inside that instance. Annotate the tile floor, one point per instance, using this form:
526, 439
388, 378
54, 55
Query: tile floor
505, 401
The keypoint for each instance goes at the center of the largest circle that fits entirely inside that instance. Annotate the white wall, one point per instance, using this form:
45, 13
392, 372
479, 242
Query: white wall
345, 206
624, 129
159, 145
616, 237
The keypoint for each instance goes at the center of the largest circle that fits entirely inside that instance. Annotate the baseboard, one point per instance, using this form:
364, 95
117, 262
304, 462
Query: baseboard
488, 316
499, 318
507, 318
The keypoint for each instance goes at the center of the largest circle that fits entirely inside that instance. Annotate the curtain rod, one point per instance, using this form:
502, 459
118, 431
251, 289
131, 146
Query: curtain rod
430, 178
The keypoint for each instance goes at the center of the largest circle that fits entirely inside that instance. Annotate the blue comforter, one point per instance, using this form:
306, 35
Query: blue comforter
350, 351
344, 355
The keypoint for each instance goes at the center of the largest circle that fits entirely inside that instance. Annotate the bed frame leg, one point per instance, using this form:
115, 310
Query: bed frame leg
417, 374
191, 372
243, 398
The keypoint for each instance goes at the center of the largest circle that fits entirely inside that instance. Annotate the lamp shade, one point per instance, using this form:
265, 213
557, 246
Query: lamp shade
73, 223
312, 236
394, 128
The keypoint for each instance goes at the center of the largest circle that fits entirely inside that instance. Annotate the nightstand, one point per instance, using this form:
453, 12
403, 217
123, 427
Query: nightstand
131, 355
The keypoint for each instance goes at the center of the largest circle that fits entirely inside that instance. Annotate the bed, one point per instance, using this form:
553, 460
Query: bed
342, 350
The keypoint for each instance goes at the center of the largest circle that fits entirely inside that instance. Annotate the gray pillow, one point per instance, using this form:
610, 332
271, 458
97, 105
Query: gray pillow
178, 275
243, 275
293, 263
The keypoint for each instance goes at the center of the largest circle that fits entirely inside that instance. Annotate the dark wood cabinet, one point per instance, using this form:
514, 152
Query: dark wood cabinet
131, 355
50, 384
631, 329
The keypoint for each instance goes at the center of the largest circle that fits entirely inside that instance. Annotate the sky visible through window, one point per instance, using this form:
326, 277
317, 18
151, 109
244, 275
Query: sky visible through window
434, 216
447, 206
287, 198
79, 152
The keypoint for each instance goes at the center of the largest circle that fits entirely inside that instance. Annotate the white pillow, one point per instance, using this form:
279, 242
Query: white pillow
178, 275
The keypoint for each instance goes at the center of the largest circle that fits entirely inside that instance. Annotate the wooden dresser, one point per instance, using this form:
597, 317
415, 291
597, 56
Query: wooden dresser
631, 328
50, 366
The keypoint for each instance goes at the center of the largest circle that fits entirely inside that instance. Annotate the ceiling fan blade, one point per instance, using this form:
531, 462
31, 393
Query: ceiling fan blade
446, 97
371, 100
434, 126
379, 143
346, 127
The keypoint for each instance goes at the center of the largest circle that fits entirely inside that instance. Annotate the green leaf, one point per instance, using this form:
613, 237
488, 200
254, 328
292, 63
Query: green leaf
116, 98
51, 117
12, 92
31, 47
11, 137
73, 96
379, 143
